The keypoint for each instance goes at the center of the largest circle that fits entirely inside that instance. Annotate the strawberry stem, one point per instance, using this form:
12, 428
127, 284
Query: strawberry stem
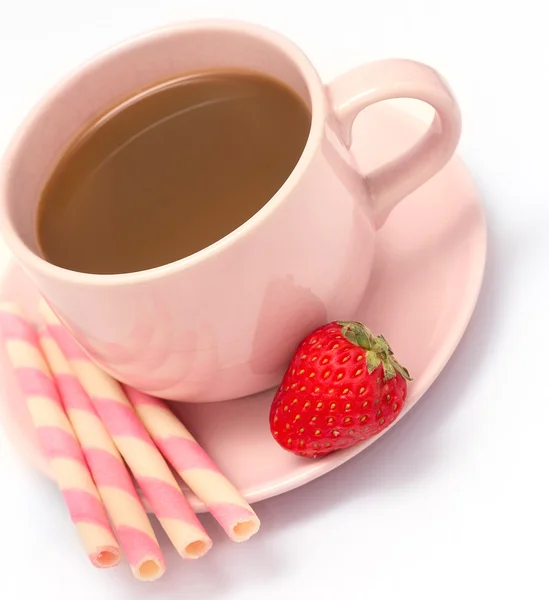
378, 351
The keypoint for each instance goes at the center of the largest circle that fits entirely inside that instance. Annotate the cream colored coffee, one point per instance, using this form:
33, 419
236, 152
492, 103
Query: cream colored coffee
171, 171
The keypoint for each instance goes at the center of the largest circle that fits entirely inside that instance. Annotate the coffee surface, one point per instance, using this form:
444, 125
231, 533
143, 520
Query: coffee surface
171, 171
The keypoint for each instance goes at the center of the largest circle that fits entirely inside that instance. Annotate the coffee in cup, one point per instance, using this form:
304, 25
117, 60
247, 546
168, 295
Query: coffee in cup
170, 171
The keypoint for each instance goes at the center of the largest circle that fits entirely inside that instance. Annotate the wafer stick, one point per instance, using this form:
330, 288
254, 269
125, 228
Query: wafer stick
114, 483
135, 445
195, 467
57, 438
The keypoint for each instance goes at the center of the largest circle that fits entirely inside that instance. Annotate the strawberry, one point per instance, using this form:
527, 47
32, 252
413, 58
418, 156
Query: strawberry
343, 386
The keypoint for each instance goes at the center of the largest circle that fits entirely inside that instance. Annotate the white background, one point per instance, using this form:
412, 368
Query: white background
454, 501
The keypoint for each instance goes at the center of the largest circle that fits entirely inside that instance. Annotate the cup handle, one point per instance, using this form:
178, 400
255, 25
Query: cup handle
352, 92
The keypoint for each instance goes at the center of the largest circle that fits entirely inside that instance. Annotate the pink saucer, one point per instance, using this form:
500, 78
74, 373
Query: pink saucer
425, 283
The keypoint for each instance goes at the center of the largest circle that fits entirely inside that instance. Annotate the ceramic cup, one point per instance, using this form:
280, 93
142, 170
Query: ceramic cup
224, 322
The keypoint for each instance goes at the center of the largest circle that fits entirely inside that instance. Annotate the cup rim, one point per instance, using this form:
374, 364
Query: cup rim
17, 146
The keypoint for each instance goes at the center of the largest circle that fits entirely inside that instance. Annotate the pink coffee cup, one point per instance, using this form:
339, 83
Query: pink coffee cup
224, 322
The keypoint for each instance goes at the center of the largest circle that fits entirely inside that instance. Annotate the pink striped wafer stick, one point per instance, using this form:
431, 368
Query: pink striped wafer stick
114, 483
57, 438
195, 467
135, 445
